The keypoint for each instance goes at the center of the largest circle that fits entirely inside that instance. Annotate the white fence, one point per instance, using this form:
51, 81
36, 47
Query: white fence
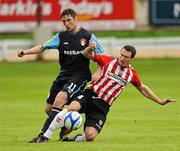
9, 48
147, 47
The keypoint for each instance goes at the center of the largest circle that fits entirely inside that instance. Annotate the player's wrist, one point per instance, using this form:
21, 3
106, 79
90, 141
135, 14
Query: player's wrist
23, 53
163, 102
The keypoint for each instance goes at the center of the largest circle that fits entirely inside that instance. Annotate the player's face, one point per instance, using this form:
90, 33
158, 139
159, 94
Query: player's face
69, 22
124, 58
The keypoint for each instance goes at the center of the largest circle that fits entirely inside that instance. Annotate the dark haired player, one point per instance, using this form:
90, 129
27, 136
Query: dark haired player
96, 100
74, 72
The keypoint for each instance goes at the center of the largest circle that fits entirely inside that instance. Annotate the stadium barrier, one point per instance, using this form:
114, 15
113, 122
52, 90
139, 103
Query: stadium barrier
9, 48
147, 47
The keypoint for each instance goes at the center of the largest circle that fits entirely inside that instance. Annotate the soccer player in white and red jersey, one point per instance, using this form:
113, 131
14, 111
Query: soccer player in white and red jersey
96, 100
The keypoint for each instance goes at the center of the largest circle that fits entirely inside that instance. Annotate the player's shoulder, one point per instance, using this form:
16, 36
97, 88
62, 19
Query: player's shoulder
132, 69
61, 33
106, 58
85, 31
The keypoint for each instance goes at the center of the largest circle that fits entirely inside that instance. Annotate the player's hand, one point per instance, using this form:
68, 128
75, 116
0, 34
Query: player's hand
92, 45
167, 100
20, 53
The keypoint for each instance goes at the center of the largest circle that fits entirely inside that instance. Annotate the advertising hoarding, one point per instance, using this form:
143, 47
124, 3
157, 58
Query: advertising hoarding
164, 12
20, 15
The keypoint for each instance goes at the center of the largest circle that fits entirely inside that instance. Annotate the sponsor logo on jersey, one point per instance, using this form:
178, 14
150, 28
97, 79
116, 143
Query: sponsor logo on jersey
117, 79
66, 43
73, 52
82, 41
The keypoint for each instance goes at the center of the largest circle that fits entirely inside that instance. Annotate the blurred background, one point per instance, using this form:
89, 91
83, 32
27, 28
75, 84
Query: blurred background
152, 26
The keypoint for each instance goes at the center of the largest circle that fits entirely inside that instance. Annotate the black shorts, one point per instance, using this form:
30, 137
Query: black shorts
72, 87
95, 109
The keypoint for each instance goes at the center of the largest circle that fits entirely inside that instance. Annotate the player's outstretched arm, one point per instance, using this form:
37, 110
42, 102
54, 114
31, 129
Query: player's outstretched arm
147, 92
33, 50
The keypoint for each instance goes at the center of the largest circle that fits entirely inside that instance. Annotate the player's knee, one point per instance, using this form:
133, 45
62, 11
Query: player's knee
48, 108
90, 135
47, 111
74, 106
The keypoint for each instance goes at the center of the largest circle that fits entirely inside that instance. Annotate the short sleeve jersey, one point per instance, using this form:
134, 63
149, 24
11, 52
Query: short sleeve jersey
113, 79
72, 62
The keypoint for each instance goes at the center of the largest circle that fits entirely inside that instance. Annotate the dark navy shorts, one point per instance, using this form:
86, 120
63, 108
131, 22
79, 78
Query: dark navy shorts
72, 87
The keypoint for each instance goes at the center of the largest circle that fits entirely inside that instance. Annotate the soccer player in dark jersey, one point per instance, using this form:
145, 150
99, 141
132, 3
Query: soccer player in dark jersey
74, 72
96, 100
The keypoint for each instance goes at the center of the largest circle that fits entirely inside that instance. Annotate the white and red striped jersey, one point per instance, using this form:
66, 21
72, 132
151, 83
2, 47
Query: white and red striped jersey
113, 78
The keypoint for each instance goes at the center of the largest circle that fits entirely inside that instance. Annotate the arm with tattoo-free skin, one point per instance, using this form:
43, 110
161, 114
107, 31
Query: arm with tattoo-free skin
33, 50
148, 93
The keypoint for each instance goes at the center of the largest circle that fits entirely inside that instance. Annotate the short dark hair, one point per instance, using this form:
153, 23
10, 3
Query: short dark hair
70, 12
131, 49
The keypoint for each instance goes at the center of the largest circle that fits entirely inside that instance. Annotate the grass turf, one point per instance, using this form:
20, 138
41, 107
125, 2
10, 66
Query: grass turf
133, 124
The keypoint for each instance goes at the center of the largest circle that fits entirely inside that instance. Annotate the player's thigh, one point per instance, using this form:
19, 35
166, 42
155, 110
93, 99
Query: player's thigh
54, 90
60, 99
96, 113
81, 101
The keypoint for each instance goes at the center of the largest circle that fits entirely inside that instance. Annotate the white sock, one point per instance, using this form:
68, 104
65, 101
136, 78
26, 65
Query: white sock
81, 138
57, 122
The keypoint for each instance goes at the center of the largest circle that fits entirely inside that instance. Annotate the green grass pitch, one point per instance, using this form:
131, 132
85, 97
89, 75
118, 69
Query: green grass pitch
133, 124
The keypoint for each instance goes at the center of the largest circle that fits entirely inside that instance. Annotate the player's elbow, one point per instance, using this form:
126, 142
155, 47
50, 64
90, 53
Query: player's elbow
142, 89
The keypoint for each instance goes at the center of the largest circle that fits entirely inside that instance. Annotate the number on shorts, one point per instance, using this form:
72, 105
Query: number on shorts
72, 87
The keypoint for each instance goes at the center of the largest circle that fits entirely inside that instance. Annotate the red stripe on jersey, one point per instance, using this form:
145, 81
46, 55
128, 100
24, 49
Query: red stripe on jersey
113, 80
107, 80
127, 74
114, 95
104, 69
108, 89
102, 86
